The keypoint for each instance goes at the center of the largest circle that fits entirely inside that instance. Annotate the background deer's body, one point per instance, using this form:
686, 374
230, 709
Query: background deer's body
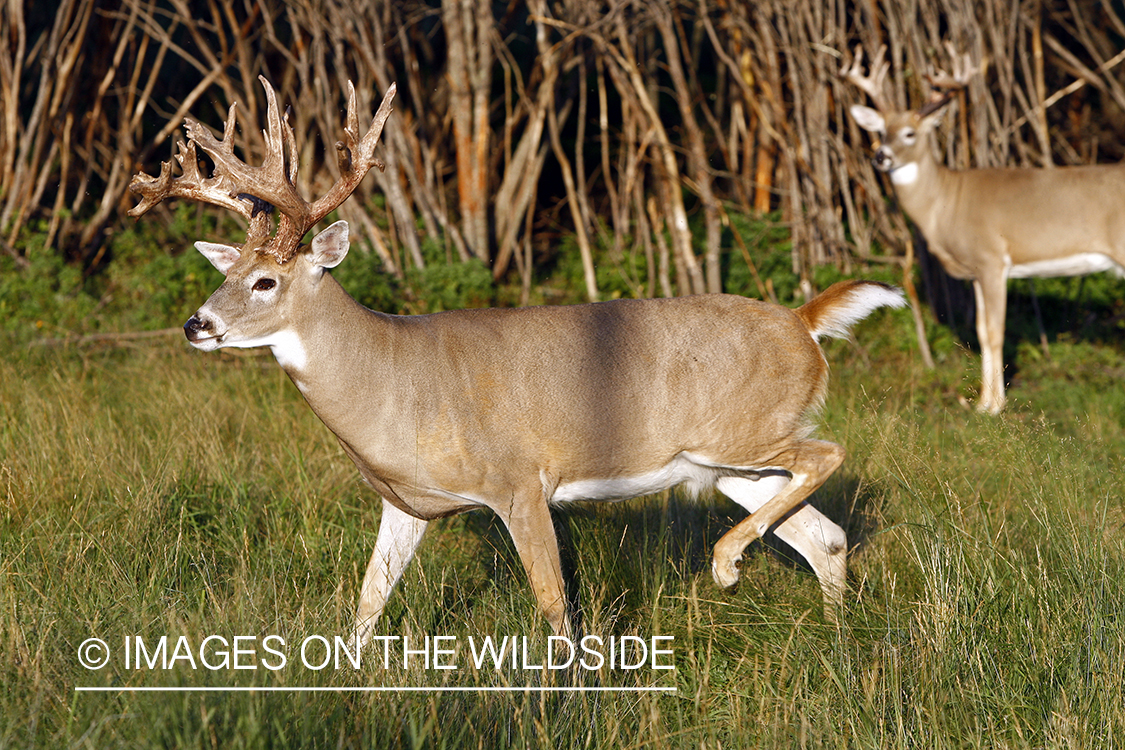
989, 225
1018, 222
515, 409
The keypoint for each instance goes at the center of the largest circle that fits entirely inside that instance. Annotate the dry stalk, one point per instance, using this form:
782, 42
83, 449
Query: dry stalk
689, 105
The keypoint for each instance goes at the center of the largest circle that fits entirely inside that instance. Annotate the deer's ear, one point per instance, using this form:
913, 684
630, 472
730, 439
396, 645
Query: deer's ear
330, 246
868, 119
222, 257
932, 120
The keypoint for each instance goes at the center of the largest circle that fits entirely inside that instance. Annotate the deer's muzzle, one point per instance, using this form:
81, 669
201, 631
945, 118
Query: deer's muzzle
196, 328
883, 160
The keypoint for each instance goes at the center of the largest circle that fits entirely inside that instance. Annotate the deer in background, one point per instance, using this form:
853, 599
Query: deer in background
989, 225
517, 409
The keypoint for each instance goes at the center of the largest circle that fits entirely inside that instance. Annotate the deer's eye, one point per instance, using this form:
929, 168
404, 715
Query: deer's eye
264, 285
908, 135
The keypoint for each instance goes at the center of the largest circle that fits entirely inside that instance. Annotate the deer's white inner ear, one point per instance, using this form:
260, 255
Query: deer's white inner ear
868, 119
330, 246
222, 257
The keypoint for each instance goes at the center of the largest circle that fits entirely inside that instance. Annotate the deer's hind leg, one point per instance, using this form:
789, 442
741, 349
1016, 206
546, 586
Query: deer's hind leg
821, 542
533, 534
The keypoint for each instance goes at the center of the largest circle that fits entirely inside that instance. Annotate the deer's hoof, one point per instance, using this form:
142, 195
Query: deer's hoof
725, 571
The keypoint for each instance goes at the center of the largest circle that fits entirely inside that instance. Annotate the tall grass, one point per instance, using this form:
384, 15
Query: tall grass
156, 491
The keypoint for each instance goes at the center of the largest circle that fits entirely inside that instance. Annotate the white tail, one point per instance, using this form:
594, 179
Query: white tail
516, 409
989, 225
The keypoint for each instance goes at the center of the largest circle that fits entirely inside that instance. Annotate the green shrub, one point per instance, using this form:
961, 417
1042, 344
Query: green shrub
47, 297
450, 286
363, 276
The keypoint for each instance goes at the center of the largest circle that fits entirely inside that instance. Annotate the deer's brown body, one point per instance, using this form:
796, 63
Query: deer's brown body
580, 408
514, 410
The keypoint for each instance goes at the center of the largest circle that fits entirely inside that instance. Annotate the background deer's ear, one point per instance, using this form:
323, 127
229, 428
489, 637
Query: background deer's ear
222, 257
930, 122
330, 246
868, 119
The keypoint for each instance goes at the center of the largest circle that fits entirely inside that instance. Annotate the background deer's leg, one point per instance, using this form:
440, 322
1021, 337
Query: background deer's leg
533, 533
991, 292
821, 542
810, 462
399, 536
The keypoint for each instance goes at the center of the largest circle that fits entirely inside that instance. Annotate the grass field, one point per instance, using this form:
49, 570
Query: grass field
153, 491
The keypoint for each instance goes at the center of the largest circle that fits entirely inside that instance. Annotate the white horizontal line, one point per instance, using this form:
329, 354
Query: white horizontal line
373, 689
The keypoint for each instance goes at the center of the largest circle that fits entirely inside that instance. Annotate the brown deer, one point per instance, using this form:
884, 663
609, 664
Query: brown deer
516, 409
990, 225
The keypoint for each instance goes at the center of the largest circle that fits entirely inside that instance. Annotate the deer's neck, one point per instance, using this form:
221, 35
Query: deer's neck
924, 188
332, 344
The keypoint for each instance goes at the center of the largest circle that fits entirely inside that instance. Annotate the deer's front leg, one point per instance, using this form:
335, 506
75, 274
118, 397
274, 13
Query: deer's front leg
399, 536
991, 292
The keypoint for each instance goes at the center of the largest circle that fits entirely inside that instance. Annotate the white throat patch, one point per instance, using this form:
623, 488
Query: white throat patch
286, 346
907, 174
289, 351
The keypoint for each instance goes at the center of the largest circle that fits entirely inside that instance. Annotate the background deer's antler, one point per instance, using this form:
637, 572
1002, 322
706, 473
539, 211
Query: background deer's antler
944, 85
242, 188
875, 83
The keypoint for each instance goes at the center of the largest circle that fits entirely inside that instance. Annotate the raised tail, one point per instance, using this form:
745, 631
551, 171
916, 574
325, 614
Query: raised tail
839, 307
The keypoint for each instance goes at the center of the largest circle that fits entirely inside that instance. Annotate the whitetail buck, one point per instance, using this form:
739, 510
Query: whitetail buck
990, 225
516, 409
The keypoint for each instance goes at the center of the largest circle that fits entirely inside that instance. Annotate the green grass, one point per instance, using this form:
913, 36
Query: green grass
153, 491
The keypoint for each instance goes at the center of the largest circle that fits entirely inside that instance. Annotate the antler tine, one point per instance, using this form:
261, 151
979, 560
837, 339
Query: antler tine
191, 184
351, 126
945, 85
875, 83
290, 146
271, 181
247, 189
355, 156
963, 71
280, 189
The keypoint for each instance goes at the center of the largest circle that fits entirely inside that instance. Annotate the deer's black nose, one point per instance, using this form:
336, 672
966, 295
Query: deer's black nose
194, 327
